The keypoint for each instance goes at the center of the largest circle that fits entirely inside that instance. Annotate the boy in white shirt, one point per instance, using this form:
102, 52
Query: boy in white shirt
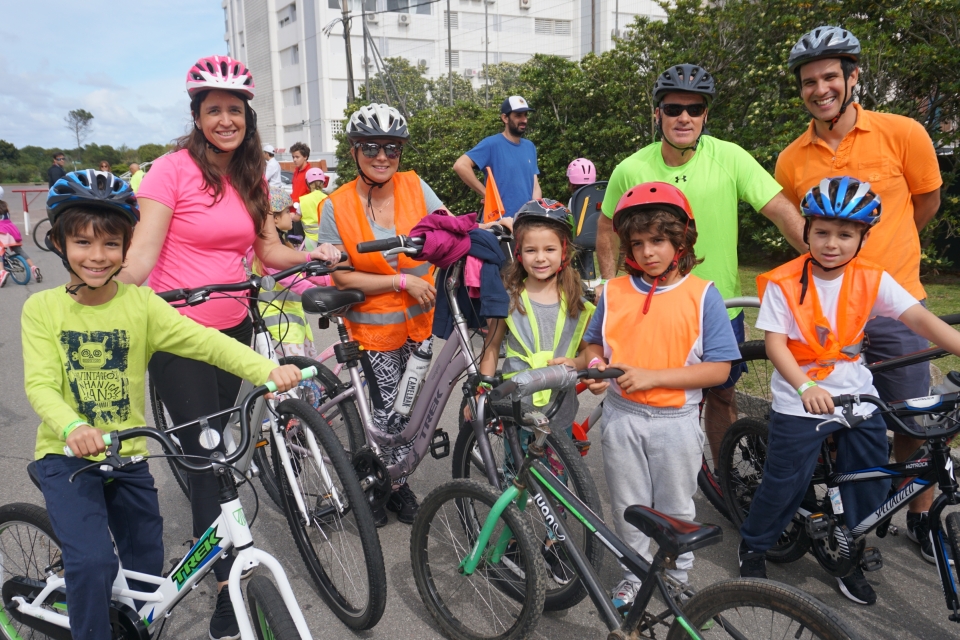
814, 309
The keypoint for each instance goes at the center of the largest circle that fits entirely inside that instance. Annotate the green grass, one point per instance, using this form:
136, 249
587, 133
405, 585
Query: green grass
943, 296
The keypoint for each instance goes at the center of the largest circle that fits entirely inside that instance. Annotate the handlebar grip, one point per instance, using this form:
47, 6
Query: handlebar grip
609, 372
173, 294
952, 318
386, 244
305, 374
503, 390
533, 380
67, 451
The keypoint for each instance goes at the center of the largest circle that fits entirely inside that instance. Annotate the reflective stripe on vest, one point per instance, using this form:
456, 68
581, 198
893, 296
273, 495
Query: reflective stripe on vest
282, 312
524, 329
821, 345
669, 336
384, 321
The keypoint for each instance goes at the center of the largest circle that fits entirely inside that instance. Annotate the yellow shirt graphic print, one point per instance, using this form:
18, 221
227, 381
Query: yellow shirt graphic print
97, 364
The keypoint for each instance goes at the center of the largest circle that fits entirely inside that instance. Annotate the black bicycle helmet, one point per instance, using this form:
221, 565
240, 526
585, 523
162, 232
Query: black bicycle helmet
377, 121
94, 190
684, 77
824, 42
544, 210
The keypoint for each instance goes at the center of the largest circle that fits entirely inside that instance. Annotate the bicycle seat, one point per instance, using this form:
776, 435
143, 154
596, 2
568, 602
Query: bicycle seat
329, 301
585, 207
33, 473
673, 535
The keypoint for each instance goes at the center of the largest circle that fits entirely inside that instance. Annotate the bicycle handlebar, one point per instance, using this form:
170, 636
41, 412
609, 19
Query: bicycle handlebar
927, 405
386, 244
114, 439
558, 376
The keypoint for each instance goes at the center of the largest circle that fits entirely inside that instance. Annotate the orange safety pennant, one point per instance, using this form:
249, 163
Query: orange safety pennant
492, 205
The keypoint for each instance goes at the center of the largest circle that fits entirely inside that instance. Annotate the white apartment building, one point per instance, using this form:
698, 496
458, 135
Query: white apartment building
301, 72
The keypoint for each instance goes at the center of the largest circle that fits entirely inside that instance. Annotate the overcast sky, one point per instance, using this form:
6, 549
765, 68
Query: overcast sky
124, 62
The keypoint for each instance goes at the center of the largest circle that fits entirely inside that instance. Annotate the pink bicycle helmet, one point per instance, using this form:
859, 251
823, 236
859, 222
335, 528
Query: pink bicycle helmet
220, 72
314, 174
581, 171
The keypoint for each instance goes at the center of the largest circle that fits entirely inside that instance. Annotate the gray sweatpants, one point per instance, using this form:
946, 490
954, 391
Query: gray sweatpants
651, 457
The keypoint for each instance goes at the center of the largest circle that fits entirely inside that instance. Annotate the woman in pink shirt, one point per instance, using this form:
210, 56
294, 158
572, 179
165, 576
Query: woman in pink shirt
202, 208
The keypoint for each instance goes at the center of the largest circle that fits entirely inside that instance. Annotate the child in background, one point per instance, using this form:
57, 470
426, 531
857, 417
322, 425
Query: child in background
669, 332
7, 227
85, 353
580, 173
814, 309
310, 206
281, 308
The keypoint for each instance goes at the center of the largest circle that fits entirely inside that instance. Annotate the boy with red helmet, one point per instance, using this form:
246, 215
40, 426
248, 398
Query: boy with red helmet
669, 332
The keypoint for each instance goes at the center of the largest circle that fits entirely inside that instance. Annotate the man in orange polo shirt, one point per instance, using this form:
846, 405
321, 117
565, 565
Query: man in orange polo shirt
896, 156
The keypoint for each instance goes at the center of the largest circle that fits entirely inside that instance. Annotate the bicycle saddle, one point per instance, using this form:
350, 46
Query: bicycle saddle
329, 301
673, 535
34, 475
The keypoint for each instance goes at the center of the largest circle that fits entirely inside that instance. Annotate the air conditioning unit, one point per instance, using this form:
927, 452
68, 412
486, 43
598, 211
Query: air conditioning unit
367, 60
403, 19
469, 73
373, 18
524, 4
423, 62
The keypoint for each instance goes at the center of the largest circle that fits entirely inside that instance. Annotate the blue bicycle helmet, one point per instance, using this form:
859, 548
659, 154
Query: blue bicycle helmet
842, 198
92, 190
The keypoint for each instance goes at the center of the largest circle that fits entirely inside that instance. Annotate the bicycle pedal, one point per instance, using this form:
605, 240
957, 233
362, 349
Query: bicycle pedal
440, 445
871, 560
582, 446
817, 526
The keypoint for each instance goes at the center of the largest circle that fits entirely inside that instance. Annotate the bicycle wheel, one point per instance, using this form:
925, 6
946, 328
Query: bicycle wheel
496, 601
339, 546
567, 464
40, 233
742, 456
751, 398
271, 620
28, 550
162, 420
752, 609
18, 268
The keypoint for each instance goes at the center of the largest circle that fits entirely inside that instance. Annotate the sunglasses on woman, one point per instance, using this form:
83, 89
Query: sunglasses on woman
372, 149
674, 110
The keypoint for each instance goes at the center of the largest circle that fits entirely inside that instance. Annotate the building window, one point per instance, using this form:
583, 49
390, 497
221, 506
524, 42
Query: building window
226, 19
292, 97
290, 57
336, 127
287, 15
423, 7
293, 128
548, 27
451, 58
243, 42
333, 4
451, 17
398, 6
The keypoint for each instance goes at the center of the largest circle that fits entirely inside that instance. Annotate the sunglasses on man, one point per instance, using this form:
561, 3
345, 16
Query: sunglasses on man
674, 110
372, 149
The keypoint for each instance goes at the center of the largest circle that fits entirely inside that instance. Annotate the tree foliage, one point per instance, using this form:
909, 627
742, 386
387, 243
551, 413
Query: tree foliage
602, 108
79, 123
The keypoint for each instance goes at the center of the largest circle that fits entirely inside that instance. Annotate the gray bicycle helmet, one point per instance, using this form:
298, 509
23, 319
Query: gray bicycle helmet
824, 42
377, 121
684, 77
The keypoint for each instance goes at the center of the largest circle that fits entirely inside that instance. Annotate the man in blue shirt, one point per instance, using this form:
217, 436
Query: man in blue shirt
512, 159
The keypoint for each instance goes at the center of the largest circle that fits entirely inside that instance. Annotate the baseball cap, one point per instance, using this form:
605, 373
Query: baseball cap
269, 149
515, 103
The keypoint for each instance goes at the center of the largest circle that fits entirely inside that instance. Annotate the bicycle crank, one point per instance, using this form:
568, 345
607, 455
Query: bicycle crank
374, 477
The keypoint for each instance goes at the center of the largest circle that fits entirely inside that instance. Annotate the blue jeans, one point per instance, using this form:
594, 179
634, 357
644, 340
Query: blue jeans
793, 445
84, 514
888, 338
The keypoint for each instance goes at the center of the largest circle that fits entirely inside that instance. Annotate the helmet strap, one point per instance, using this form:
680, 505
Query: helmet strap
682, 150
72, 290
805, 279
369, 181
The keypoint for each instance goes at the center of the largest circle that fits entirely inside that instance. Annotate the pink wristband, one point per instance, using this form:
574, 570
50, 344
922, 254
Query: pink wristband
306, 256
403, 282
594, 362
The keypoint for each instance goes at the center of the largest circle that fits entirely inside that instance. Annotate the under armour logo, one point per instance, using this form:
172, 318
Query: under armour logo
677, 179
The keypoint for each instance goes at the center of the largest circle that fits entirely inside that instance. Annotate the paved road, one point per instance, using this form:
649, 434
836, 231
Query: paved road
910, 605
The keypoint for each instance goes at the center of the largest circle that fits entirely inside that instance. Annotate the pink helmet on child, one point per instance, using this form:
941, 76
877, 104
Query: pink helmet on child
315, 174
581, 171
220, 72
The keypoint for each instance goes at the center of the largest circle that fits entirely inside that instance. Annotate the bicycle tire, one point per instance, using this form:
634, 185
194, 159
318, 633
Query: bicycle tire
357, 599
271, 620
162, 421
753, 398
476, 606
28, 546
561, 455
738, 602
953, 539
40, 242
18, 268
742, 456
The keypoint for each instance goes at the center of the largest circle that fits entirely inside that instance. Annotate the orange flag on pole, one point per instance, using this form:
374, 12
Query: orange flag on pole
492, 205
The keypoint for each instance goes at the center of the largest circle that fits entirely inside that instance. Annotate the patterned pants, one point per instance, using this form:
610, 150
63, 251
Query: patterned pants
388, 366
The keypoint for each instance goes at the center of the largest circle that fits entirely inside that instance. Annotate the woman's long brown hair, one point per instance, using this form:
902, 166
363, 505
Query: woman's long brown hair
568, 280
246, 167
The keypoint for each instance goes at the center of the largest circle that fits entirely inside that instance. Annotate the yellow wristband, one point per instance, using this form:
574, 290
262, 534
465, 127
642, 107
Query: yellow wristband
70, 427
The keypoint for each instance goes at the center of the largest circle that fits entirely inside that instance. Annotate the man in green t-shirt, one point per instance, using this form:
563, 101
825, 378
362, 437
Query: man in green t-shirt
714, 176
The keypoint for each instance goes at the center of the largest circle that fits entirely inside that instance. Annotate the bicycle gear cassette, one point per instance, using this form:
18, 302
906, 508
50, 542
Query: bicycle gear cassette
374, 477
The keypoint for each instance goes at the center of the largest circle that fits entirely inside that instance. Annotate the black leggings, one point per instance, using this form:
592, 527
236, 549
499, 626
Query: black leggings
191, 389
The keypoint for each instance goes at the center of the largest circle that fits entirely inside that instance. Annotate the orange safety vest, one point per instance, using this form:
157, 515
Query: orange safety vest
668, 336
384, 321
823, 346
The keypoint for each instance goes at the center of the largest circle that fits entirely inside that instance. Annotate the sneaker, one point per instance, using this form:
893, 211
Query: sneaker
403, 502
918, 530
379, 517
3, 277
856, 588
511, 560
625, 594
753, 564
36, 274
223, 624
557, 568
